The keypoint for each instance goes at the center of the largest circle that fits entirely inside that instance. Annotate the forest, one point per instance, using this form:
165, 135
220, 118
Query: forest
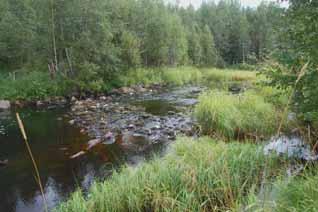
150, 105
87, 44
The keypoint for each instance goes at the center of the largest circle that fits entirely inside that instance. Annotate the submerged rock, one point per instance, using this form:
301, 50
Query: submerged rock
135, 123
4, 105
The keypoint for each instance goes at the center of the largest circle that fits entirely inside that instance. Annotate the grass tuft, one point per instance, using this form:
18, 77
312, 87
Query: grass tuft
235, 116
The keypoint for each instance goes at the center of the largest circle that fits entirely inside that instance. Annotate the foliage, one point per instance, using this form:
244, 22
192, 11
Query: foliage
298, 193
201, 175
185, 75
235, 116
34, 85
91, 43
298, 46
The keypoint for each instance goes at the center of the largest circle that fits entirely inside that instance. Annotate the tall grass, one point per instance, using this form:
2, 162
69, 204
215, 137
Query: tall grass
297, 193
201, 175
185, 75
235, 116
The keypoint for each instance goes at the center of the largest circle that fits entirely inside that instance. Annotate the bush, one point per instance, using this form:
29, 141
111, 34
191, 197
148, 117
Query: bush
201, 175
235, 116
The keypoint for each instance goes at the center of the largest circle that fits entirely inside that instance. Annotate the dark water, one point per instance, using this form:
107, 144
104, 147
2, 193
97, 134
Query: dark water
53, 140
157, 106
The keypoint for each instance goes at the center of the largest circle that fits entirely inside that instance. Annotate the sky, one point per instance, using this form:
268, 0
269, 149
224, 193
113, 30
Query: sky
196, 3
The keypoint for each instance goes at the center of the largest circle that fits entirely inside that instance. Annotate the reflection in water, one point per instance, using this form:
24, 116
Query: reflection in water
53, 141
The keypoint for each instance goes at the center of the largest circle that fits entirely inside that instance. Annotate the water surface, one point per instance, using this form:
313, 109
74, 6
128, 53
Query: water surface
54, 140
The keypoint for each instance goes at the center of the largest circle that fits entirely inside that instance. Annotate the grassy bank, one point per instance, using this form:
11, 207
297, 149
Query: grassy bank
201, 175
34, 85
39, 85
230, 116
186, 75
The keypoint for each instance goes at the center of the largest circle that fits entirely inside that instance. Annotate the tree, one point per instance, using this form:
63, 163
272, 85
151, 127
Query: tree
299, 46
194, 42
209, 53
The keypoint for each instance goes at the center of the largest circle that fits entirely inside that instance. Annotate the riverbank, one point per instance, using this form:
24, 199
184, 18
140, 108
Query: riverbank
154, 107
196, 175
207, 174
38, 86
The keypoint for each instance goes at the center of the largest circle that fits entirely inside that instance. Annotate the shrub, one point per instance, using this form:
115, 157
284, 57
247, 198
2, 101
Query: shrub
233, 116
34, 85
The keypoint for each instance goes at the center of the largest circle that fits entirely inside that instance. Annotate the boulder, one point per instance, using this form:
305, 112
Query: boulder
4, 162
39, 103
73, 99
4, 105
109, 138
126, 90
235, 88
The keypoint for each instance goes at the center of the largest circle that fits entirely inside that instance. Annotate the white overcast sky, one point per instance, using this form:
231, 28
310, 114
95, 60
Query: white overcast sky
197, 3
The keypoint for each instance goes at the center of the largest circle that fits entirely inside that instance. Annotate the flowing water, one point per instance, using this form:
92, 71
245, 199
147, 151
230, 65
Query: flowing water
53, 141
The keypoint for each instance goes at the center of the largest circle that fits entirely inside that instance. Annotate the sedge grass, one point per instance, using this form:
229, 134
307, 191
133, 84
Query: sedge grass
196, 175
233, 116
186, 75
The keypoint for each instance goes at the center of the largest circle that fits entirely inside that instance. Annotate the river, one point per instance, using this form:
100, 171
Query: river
54, 140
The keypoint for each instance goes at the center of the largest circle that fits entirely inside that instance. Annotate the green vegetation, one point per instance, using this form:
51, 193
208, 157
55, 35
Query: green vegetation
298, 193
186, 75
39, 85
35, 85
92, 47
172, 76
201, 175
236, 116
57, 47
296, 60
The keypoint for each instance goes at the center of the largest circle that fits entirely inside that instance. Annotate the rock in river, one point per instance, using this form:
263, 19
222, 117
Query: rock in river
4, 162
4, 105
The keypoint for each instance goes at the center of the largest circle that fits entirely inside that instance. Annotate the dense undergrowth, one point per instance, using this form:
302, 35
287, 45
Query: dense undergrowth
39, 85
34, 85
196, 175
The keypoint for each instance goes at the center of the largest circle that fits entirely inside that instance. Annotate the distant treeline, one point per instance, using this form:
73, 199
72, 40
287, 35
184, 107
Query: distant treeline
93, 39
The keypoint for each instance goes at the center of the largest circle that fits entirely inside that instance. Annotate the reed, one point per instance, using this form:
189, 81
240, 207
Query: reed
38, 178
